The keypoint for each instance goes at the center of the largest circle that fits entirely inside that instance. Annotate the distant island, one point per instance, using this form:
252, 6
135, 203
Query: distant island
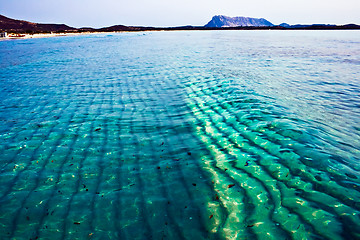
218, 22
221, 21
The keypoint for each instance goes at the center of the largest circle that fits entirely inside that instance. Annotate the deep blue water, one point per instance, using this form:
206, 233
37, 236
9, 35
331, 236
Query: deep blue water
181, 135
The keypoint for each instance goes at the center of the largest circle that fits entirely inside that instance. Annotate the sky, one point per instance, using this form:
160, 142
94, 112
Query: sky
163, 13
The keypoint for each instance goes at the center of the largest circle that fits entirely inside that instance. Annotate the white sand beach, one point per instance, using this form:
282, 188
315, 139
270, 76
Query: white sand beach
43, 35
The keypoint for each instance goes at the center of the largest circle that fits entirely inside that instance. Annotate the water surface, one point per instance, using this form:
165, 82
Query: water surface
181, 135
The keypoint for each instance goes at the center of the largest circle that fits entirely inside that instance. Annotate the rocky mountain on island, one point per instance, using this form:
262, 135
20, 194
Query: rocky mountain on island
220, 21
13, 25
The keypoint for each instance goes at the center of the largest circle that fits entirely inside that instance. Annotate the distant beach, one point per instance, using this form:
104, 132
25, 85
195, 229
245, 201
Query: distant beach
45, 35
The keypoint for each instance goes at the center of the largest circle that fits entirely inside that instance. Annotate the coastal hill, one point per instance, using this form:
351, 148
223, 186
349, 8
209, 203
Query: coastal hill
217, 23
20, 26
220, 21
118, 28
12, 25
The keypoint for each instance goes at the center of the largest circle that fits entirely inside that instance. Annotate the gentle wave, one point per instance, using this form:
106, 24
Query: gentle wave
181, 135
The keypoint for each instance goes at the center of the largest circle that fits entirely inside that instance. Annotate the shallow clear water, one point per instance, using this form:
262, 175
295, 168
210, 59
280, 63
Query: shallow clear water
181, 135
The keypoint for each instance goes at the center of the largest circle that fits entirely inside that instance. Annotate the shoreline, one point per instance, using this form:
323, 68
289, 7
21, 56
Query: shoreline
45, 35
17, 36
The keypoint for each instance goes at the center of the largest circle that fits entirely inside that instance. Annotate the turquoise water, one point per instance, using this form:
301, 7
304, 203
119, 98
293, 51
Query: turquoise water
181, 135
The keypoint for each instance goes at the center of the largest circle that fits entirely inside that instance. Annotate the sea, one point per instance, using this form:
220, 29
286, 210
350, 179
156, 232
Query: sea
181, 135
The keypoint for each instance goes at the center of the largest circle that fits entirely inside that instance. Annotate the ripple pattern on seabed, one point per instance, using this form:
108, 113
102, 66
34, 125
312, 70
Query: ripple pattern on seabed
118, 140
